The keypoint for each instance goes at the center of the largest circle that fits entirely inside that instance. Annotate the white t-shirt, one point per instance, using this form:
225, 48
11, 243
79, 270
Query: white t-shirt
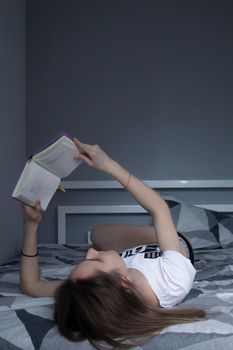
169, 274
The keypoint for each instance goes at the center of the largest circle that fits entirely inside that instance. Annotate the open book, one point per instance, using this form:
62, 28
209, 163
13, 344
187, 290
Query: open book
44, 170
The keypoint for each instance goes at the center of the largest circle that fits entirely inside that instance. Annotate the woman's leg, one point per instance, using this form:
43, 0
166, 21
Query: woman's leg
121, 237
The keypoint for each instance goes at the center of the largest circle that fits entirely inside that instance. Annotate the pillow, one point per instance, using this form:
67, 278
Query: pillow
203, 227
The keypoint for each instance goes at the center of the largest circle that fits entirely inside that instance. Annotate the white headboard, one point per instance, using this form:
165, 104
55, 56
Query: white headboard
63, 211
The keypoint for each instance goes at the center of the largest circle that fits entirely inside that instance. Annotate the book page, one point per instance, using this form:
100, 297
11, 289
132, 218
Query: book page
36, 183
48, 149
58, 158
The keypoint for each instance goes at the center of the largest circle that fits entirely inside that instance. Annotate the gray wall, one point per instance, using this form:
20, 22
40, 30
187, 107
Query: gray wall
12, 116
150, 81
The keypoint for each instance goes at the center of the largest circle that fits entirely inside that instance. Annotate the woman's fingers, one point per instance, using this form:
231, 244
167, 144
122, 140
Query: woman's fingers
82, 146
77, 142
84, 158
32, 214
92, 155
38, 205
86, 151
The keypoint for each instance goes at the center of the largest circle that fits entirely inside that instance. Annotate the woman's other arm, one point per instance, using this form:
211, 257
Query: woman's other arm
30, 281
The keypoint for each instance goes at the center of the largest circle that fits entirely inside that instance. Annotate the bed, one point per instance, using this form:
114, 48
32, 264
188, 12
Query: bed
27, 323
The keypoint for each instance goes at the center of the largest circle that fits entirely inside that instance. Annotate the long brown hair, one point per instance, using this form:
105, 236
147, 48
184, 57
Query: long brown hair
100, 309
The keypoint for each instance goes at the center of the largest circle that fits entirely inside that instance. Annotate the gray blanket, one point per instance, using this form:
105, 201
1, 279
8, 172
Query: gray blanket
27, 323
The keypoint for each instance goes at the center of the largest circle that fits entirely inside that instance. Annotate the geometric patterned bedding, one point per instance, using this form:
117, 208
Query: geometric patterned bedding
205, 228
27, 323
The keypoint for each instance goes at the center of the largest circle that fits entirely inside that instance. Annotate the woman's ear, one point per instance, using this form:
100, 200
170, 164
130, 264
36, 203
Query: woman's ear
126, 282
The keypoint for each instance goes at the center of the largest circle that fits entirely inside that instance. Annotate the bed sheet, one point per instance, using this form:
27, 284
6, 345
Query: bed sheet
27, 323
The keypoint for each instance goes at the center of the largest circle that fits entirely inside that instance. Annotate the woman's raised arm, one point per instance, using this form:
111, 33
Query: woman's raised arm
143, 194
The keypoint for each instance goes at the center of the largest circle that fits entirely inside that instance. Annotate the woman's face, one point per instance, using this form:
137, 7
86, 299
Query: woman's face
98, 261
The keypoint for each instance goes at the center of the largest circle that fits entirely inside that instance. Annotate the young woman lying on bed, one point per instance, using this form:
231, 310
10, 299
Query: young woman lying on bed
126, 287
